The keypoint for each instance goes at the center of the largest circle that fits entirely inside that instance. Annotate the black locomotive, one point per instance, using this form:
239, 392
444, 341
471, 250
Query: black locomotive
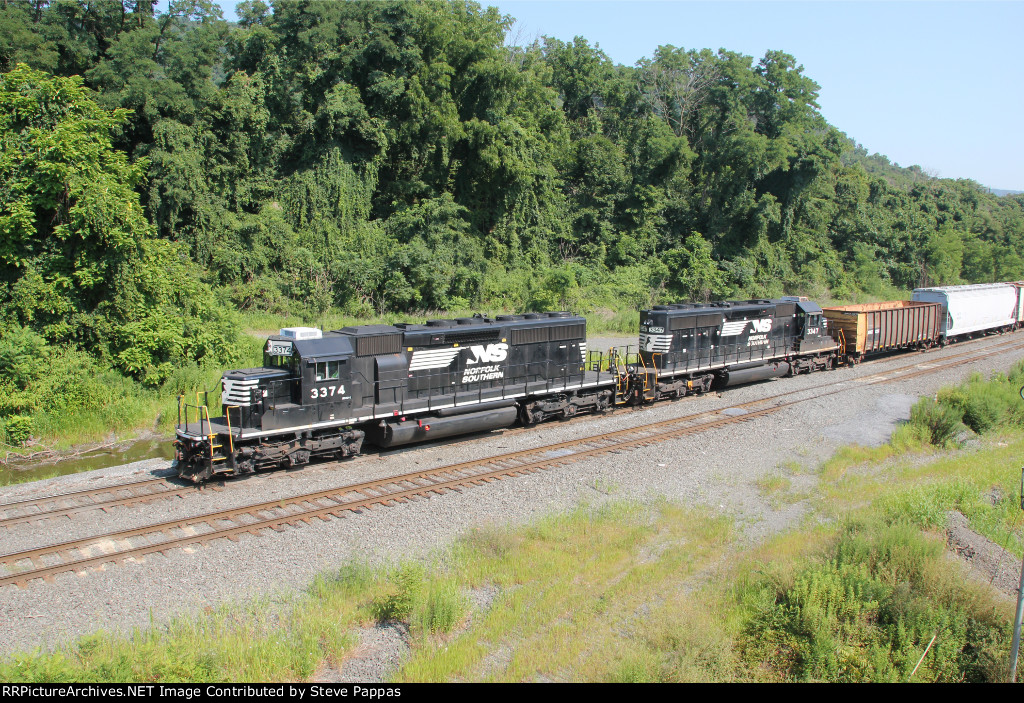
687, 347
324, 394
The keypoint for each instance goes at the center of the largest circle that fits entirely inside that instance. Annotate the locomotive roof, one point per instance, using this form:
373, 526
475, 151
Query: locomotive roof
348, 341
330, 346
738, 306
718, 306
367, 330
534, 319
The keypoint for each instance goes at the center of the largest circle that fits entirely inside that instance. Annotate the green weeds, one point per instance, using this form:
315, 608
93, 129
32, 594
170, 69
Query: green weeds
979, 405
867, 611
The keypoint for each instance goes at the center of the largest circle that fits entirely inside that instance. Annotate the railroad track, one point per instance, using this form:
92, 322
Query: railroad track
133, 544
121, 494
148, 490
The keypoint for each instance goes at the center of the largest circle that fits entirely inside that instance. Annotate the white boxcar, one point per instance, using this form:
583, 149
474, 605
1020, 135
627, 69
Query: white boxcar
987, 306
1019, 285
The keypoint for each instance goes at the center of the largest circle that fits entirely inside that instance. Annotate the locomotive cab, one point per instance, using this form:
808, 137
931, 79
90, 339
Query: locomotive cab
305, 379
812, 328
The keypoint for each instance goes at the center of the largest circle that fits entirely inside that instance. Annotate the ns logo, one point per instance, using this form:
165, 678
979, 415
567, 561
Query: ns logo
492, 352
764, 325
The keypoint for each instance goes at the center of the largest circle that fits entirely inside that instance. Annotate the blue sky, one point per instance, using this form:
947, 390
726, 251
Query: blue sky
937, 84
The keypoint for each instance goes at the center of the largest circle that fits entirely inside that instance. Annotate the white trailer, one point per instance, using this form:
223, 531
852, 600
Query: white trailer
977, 308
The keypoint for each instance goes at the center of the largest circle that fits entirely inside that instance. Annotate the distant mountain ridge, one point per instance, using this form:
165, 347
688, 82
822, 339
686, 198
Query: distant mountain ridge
1000, 192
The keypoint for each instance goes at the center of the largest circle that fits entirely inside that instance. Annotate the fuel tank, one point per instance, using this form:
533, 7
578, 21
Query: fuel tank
757, 373
395, 434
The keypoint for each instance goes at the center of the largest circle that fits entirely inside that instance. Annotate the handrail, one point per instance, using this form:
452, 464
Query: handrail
227, 415
211, 435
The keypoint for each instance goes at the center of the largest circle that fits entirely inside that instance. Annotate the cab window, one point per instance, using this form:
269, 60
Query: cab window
328, 370
277, 361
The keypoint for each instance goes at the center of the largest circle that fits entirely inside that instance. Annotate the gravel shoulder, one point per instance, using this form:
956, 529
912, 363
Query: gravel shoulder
720, 469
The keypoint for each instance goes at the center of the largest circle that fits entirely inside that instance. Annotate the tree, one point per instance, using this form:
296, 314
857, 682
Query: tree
692, 272
78, 259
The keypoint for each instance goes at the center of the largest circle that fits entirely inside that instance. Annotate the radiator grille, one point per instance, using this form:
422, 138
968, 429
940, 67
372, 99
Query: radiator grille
529, 336
379, 344
568, 332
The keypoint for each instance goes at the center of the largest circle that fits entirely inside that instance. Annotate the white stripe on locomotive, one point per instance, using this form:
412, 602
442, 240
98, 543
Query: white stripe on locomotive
432, 358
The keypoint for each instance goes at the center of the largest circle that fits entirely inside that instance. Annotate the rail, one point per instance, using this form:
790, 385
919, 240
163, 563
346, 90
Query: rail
202, 411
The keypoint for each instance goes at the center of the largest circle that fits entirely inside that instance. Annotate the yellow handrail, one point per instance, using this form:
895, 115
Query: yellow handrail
212, 434
227, 414
640, 357
613, 355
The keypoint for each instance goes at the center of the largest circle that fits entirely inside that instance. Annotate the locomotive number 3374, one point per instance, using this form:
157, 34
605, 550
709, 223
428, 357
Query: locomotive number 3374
326, 391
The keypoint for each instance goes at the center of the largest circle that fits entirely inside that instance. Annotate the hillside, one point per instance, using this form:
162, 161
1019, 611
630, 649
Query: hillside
164, 171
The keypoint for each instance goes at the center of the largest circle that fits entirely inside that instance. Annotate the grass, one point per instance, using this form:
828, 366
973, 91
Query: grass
259, 642
791, 466
569, 612
835, 467
648, 591
773, 484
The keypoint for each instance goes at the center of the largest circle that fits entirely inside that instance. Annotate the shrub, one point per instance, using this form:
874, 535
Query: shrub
17, 429
983, 404
984, 410
23, 355
868, 612
939, 422
442, 609
398, 603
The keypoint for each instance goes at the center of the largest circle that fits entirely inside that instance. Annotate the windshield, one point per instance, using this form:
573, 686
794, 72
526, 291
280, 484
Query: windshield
277, 361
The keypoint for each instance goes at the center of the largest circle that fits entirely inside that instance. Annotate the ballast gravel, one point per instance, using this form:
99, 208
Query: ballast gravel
719, 469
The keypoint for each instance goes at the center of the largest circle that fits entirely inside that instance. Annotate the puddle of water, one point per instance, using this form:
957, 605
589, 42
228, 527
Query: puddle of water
100, 459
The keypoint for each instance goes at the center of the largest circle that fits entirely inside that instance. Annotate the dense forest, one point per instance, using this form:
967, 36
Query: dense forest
163, 172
